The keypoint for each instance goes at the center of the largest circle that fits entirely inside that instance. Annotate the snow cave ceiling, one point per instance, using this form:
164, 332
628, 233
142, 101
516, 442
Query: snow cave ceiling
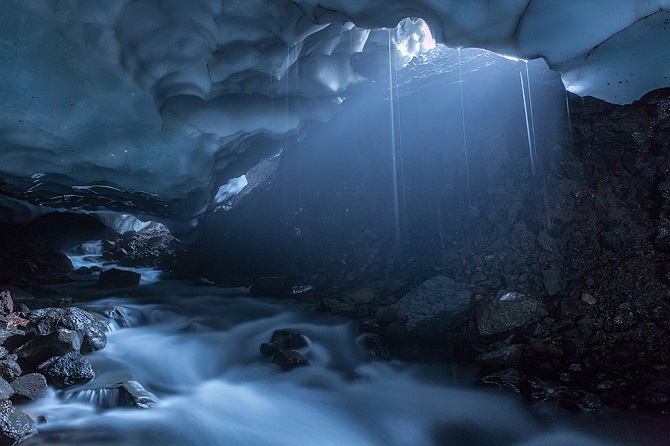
150, 107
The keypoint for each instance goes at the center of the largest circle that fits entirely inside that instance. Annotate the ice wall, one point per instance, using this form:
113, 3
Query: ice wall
149, 106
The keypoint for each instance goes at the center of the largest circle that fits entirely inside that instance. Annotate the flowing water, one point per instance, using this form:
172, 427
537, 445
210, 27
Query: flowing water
197, 350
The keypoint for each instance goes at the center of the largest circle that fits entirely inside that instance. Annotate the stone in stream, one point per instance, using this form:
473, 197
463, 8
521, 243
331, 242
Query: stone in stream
15, 425
48, 320
118, 278
437, 305
133, 394
283, 340
67, 370
289, 359
507, 313
29, 387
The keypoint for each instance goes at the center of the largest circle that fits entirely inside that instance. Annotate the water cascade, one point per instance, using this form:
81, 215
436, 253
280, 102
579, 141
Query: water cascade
465, 140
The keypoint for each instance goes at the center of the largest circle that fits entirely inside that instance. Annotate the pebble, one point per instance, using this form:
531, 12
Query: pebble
588, 299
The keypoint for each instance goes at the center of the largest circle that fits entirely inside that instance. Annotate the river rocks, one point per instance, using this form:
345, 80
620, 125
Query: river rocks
133, 394
90, 329
9, 370
29, 387
509, 312
15, 425
6, 303
437, 305
656, 395
6, 390
289, 359
282, 348
43, 347
118, 278
67, 370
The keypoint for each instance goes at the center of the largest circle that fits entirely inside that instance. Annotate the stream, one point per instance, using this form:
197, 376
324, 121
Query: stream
197, 349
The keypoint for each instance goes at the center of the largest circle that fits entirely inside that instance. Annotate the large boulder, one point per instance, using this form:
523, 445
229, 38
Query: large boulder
91, 330
509, 312
118, 278
14, 424
437, 305
29, 387
44, 347
67, 370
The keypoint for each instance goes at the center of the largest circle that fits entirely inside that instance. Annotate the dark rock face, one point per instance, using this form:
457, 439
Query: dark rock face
14, 424
43, 347
437, 305
67, 370
9, 370
509, 312
289, 359
118, 278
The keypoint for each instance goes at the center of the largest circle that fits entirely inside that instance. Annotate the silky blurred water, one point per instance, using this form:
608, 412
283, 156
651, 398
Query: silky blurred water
196, 348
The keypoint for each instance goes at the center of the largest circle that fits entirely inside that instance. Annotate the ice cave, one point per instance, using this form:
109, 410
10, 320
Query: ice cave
360, 223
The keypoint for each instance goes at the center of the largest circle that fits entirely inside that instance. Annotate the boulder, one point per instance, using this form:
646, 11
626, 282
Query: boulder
6, 302
9, 370
15, 425
133, 394
67, 370
91, 330
289, 359
283, 340
29, 387
118, 278
552, 281
507, 313
6, 390
437, 305
41, 348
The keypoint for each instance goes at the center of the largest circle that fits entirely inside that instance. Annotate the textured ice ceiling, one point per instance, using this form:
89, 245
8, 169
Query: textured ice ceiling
150, 106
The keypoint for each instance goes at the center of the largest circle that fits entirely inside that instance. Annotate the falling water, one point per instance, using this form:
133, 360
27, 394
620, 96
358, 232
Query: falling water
400, 149
530, 108
567, 108
396, 209
525, 109
465, 141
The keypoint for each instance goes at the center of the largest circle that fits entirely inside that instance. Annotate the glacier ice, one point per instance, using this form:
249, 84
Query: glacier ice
151, 106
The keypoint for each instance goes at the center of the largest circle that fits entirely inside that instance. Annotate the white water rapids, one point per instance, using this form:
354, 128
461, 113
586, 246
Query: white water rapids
197, 349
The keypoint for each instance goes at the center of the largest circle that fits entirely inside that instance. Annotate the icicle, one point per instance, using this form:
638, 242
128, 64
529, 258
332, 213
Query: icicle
532, 119
525, 110
567, 108
396, 209
465, 140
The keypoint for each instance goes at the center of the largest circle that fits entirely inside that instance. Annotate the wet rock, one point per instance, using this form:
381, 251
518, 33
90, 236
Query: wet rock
91, 330
29, 387
118, 278
15, 425
152, 247
6, 390
437, 305
67, 370
41, 348
283, 340
6, 302
507, 313
116, 314
133, 394
376, 347
502, 358
12, 339
9, 370
510, 380
289, 359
